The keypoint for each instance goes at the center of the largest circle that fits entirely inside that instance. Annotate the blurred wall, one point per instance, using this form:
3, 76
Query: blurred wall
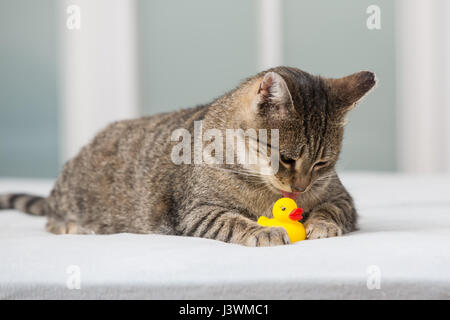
28, 89
194, 51
191, 52
331, 38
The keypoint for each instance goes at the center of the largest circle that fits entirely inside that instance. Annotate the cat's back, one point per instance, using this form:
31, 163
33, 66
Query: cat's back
123, 169
148, 135
160, 124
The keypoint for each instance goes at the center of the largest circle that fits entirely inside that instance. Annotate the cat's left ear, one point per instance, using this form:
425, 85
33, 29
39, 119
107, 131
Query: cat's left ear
347, 91
273, 97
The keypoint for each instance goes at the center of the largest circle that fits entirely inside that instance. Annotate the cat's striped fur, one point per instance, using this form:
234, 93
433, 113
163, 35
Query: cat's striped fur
31, 204
125, 181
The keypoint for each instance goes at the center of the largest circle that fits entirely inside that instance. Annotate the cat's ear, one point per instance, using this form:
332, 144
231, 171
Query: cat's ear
273, 96
347, 91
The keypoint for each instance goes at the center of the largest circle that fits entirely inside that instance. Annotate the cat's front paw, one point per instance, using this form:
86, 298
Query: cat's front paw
318, 229
267, 236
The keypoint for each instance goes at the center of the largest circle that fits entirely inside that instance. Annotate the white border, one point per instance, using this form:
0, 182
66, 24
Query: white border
445, 16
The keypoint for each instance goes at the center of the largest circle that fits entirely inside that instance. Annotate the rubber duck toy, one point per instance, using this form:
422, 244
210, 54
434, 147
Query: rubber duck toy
286, 215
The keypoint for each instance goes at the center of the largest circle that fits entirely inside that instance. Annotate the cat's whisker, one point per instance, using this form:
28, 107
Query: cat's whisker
262, 187
327, 177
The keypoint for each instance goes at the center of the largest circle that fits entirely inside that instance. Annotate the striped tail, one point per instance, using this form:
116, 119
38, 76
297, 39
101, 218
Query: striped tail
24, 202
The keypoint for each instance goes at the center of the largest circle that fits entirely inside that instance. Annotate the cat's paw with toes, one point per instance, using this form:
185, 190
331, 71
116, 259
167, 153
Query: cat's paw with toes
319, 229
266, 237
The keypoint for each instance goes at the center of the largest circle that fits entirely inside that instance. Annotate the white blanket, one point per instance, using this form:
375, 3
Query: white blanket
402, 250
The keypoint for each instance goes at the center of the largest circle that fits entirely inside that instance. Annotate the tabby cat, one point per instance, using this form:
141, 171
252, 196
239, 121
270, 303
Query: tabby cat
124, 180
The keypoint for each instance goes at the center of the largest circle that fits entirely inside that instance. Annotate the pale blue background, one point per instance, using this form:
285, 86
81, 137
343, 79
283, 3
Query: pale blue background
28, 89
191, 52
331, 38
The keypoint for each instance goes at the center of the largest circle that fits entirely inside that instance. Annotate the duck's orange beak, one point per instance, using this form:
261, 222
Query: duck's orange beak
296, 214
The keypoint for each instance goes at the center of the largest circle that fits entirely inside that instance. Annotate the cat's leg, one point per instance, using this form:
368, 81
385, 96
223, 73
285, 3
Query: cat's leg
62, 227
220, 223
56, 227
331, 219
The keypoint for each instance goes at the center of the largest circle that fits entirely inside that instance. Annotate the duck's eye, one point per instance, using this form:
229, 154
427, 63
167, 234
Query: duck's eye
286, 159
283, 208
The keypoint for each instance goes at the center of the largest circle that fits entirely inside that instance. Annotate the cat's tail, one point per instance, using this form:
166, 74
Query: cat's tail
27, 203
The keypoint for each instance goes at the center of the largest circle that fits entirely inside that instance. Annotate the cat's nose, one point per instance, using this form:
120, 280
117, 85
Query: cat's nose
301, 184
297, 190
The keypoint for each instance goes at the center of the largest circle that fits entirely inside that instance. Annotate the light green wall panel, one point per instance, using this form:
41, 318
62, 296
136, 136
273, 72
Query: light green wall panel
193, 51
330, 38
28, 89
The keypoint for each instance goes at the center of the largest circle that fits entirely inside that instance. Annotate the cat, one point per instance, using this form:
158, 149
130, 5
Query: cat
125, 180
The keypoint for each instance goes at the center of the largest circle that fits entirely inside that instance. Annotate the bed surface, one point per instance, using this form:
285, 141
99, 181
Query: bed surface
403, 245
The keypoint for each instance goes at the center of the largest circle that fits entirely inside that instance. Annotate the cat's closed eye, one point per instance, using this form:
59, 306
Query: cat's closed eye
320, 164
286, 159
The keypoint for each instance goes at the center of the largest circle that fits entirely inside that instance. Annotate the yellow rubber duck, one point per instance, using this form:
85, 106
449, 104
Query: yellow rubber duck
286, 215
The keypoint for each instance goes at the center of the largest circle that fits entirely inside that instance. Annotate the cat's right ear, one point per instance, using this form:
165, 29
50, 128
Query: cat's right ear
273, 97
349, 90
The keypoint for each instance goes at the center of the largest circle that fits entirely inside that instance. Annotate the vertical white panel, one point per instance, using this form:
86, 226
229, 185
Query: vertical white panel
445, 16
420, 147
270, 31
98, 69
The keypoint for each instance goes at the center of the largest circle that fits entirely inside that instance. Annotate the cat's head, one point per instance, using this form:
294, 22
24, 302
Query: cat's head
309, 112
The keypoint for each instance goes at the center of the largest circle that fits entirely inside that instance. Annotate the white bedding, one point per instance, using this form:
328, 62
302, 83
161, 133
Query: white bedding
403, 241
